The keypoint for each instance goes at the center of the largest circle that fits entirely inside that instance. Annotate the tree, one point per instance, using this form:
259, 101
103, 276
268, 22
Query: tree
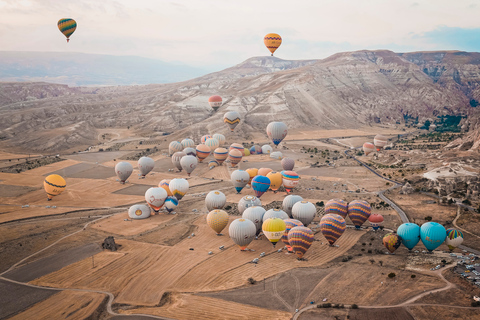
391, 275
320, 204
428, 218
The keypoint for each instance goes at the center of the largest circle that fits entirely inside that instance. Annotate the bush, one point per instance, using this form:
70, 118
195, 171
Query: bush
413, 276
228, 207
428, 218
391, 275
251, 280
320, 204
327, 305
475, 303
354, 306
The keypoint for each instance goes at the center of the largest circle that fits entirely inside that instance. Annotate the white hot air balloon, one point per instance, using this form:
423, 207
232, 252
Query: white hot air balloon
189, 151
174, 146
139, 211
266, 149
220, 137
380, 141
242, 232
304, 211
275, 213
255, 214
288, 203
178, 187
240, 179
248, 201
155, 198
215, 200
176, 157
123, 170
277, 131
212, 143
188, 143
276, 155
145, 165
232, 119
188, 163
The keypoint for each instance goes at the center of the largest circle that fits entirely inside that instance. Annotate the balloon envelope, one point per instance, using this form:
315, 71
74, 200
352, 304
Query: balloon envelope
290, 180
359, 211
179, 187
375, 220
188, 163
264, 171
332, 227
212, 143
204, 138
277, 131
220, 137
220, 154
67, 26
170, 203
368, 148
300, 239
409, 234
202, 152
174, 146
266, 149
252, 172
235, 156
454, 238
54, 184
188, 143
215, 200
304, 211
165, 185
242, 232
189, 151
289, 201
123, 170
260, 185
232, 119
276, 155
273, 229
155, 198
288, 164
275, 213
272, 41
380, 141
145, 165
139, 211
215, 102
248, 201
255, 149
176, 157
432, 235
240, 179
217, 220
276, 180
255, 214
392, 241
290, 223
337, 206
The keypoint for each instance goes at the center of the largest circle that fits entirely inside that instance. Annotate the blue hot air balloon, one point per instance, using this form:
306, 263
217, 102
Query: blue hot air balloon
410, 234
432, 234
260, 185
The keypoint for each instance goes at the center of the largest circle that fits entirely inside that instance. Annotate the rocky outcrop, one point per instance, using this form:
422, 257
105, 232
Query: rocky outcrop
109, 244
406, 189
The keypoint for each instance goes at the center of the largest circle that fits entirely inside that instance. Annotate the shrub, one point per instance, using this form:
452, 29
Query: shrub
228, 207
391, 275
428, 218
354, 306
327, 305
364, 244
251, 280
413, 276
320, 204
369, 251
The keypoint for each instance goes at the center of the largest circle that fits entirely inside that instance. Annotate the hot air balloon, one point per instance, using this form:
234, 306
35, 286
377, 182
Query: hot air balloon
255, 149
232, 119
67, 27
174, 146
368, 148
188, 163
242, 232
123, 170
139, 211
217, 220
212, 164
277, 131
202, 152
237, 146
288, 164
189, 151
220, 154
220, 137
432, 235
179, 187
145, 165
246, 152
304, 211
266, 149
276, 155
290, 180
188, 143
165, 185
247, 202
215, 200
272, 42
290, 223
454, 238
54, 184
255, 214
252, 172
392, 241
260, 185
300, 239
380, 141
176, 157
358, 212
375, 220
288, 203
155, 198
170, 203
204, 138
240, 179
273, 229
275, 213
264, 171
276, 180
337, 206
409, 234
215, 102
332, 227
235, 157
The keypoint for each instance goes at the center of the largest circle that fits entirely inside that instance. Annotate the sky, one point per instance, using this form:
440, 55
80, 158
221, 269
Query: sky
215, 34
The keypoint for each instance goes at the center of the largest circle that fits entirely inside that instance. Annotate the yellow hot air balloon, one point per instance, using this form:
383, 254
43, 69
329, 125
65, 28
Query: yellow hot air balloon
217, 220
54, 185
272, 42
276, 180
273, 229
67, 27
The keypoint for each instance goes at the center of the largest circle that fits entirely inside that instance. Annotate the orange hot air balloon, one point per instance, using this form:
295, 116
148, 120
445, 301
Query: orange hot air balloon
252, 172
264, 171
215, 102
276, 180
272, 42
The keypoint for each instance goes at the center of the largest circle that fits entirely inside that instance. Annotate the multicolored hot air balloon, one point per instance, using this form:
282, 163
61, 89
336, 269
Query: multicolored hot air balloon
54, 184
242, 232
392, 241
215, 200
368, 148
123, 170
260, 185
337, 206
276, 180
266, 149
255, 214
235, 157
220, 154
273, 229
255, 149
213, 164
375, 220
332, 227
188, 163
290, 223
139, 211
145, 165
217, 220
179, 187
290, 180
220, 137
240, 179
277, 131
237, 146
454, 238
232, 119
300, 239
247, 202
176, 157
155, 198
380, 141
215, 102
288, 164
170, 203
67, 26
189, 151
174, 146
272, 42
202, 152
289, 201
432, 235
409, 234
275, 213
165, 185
252, 172
188, 143
204, 138
358, 212
304, 211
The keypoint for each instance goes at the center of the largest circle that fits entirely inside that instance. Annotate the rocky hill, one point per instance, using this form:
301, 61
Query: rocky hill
345, 90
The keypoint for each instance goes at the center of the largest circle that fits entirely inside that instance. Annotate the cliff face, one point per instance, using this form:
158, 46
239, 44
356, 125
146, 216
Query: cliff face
345, 90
